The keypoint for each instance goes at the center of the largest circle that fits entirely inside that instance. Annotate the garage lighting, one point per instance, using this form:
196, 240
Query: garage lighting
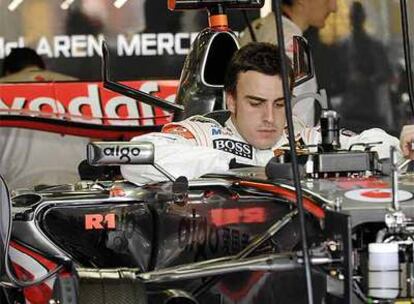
66, 4
119, 3
14, 4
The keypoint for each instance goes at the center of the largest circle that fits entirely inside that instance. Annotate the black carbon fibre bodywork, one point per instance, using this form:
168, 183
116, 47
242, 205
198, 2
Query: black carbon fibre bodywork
202, 76
143, 228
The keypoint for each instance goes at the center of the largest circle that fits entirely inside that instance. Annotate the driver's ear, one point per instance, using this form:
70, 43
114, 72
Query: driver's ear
230, 102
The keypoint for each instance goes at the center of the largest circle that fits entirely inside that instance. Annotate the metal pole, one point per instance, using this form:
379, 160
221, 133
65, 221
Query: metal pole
291, 134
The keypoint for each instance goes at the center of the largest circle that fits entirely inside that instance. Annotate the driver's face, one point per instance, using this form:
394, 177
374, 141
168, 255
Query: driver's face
258, 108
318, 11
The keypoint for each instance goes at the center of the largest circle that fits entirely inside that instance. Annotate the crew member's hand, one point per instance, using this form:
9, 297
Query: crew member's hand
406, 141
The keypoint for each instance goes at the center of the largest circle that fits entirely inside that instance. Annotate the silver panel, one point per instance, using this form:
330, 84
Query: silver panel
120, 153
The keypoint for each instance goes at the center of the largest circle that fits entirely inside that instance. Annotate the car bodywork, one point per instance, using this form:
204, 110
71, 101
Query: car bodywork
221, 239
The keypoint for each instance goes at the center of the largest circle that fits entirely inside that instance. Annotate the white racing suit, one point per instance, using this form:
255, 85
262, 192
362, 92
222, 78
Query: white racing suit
199, 145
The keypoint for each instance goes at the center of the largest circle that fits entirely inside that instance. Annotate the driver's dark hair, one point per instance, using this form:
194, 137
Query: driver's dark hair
256, 56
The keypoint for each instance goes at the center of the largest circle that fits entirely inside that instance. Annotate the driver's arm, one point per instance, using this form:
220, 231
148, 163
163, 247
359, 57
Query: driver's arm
381, 142
179, 156
406, 141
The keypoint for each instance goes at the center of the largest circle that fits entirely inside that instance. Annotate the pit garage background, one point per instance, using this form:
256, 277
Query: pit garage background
148, 44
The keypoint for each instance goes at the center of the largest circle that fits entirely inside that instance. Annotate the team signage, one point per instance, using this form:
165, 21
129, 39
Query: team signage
84, 46
116, 153
87, 102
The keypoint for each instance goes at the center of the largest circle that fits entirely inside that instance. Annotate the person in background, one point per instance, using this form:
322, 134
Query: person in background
298, 16
365, 76
25, 65
31, 157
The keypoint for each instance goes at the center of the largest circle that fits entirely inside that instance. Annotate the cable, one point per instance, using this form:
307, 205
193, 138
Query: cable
249, 26
291, 134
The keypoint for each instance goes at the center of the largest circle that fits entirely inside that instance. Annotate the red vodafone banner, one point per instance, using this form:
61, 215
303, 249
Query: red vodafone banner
84, 108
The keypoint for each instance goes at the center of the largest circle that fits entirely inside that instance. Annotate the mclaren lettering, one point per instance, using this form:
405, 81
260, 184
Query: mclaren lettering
81, 46
151, 44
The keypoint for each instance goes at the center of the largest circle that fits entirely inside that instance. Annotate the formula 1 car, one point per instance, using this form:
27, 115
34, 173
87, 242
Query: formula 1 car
210, 222
229, 238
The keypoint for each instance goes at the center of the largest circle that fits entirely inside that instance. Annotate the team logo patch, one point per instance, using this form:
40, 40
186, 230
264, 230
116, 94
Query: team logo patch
221, 131
178, 130
234, 147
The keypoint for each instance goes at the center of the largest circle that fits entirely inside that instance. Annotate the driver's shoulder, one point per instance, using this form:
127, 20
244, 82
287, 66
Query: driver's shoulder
194, 127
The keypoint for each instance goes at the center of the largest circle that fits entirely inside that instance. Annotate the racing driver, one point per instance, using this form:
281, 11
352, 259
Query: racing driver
298, 16
249, 132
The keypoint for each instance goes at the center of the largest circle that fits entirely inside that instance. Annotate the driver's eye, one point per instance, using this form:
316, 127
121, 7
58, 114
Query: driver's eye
255, 104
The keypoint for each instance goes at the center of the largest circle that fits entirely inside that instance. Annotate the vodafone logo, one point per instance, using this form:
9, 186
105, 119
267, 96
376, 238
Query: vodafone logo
377, 195
87, 102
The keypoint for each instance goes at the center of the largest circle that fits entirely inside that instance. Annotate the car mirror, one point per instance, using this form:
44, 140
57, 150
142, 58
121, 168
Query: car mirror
302, 61
120, 153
